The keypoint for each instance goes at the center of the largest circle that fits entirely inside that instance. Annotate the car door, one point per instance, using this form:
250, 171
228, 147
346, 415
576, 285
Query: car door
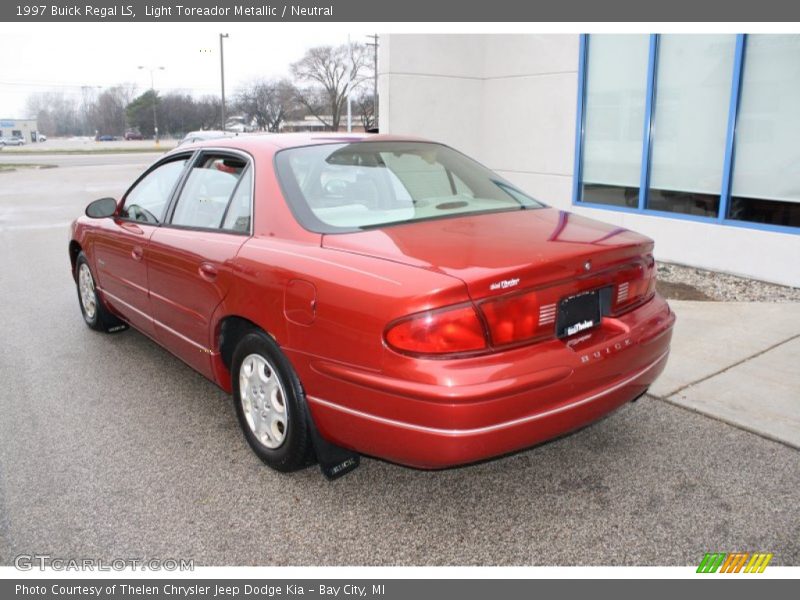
189, 258
120, 250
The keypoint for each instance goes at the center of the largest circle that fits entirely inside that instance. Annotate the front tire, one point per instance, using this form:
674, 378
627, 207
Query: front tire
94, 312
270, 403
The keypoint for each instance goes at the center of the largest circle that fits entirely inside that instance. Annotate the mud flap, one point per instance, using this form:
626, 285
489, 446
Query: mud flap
334, 461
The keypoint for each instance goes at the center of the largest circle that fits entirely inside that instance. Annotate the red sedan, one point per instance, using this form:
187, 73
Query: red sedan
374, 294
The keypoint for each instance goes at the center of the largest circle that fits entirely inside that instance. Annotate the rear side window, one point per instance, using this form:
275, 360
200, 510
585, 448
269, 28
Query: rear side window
208, 191
240, 209
147, 201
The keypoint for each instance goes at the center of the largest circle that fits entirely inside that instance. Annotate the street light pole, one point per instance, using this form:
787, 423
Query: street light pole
153, 91
222, 75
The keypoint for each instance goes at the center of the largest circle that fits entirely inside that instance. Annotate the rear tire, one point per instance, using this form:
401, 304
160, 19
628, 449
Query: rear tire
270, 404
94, 312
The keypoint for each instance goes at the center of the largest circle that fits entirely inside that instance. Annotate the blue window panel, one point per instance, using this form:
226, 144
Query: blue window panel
577, 170
728, 161
609, 128
644, 182
736, 89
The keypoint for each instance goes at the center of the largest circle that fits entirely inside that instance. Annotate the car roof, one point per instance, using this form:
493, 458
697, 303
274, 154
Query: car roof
253, 141
201, 132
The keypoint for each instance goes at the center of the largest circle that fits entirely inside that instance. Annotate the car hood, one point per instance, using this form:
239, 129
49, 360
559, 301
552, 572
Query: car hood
491, 252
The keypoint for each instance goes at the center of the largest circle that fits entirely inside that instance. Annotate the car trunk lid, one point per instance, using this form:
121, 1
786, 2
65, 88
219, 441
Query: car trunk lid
497, 253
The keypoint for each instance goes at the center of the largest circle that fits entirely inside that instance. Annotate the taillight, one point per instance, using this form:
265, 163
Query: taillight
633, 285
451, 330
518, 318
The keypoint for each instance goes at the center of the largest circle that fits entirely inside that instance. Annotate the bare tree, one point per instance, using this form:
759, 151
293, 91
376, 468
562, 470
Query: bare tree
107, 114
268, 103
56, 113
208, 113
331, 73
178, 114
86, 108
365, 105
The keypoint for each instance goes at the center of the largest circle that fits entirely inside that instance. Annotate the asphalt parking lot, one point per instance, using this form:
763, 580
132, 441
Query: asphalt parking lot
112, 448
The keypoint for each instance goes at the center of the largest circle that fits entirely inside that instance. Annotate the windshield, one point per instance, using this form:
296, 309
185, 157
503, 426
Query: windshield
345, 187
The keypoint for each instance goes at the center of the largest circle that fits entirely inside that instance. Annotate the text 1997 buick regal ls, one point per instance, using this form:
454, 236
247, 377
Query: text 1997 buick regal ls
374, 295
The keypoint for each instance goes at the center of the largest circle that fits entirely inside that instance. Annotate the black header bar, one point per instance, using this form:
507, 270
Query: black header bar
363, 11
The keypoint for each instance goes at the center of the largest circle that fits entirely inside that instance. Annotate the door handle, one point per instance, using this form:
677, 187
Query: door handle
208, 271
137, 253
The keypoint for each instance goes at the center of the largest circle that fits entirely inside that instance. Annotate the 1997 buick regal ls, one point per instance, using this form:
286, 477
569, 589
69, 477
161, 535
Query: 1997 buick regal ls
376, 294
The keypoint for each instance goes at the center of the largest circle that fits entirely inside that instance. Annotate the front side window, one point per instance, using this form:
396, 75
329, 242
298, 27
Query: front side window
207, 191
148, 199
346, 187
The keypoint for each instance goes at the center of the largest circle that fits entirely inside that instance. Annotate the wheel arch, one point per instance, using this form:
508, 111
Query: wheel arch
229, 331
74, 250
334, 461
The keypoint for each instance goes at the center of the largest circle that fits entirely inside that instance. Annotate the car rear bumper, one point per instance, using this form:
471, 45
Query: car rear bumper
434, 413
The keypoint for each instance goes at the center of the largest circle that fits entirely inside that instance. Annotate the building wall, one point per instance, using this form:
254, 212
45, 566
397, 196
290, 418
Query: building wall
510, 101
27, 127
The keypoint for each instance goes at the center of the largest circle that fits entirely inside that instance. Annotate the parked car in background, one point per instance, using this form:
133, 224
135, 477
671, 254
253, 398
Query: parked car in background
376, 294
105, 138
13, 141
133, 134
40, 137
199, 136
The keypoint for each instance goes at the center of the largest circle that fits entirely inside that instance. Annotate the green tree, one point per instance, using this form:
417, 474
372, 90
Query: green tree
140, 112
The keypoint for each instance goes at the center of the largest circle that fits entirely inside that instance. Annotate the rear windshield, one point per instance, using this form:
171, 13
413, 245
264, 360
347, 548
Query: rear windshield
346, 187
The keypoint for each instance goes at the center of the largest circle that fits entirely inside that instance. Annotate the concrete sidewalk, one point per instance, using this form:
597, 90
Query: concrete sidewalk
738, 362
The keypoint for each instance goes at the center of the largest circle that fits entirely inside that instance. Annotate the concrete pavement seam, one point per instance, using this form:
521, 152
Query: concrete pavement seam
753, 430
718, 418
729, 367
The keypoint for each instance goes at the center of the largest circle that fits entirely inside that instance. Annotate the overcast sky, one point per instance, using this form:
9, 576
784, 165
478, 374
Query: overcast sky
46, 56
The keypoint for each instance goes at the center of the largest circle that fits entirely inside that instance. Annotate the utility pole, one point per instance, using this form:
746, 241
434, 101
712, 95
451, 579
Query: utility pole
222, 76
350, 90
153, 91
374, 44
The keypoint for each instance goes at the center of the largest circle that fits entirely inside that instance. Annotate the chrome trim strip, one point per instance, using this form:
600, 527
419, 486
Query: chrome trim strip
622, 292
488, 428
121, 301
125, 282
158, 323
177, 307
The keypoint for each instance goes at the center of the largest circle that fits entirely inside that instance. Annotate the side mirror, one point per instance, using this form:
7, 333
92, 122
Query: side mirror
102, 208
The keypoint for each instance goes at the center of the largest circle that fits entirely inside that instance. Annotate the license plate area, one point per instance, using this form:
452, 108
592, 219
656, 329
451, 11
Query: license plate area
578, 313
